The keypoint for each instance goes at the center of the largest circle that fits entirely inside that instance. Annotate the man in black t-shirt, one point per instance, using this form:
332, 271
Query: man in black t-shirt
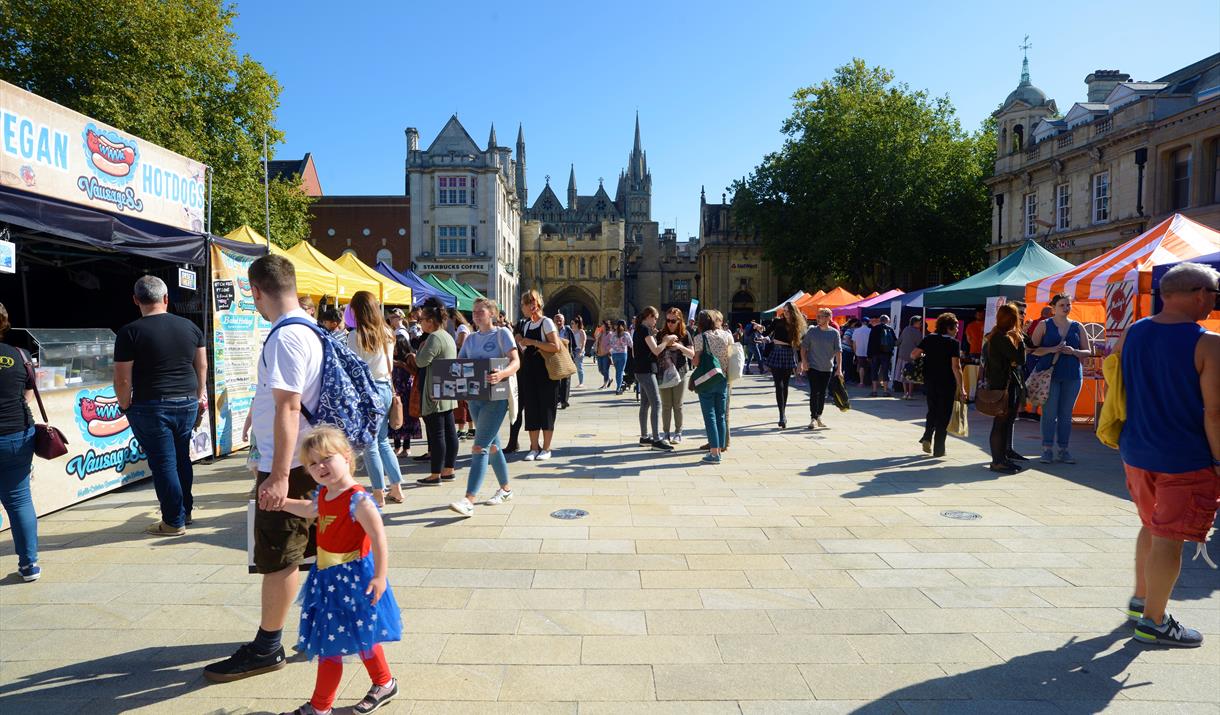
160, 381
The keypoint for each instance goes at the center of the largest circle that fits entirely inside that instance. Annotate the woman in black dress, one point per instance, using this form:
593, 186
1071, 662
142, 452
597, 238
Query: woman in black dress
942, 381
1004, 351
785, 339
539, 393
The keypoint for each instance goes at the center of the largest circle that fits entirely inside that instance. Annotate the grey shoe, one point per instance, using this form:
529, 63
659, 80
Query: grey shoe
1066, 457
377, 696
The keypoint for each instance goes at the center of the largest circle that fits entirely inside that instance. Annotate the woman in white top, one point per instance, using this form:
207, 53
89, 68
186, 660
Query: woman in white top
373, 342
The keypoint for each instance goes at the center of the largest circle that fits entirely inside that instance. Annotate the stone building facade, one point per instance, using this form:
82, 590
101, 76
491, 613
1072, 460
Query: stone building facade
732, 275
465, 211
1130, 154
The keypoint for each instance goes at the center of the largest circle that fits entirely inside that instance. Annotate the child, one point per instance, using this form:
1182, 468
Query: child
347, 608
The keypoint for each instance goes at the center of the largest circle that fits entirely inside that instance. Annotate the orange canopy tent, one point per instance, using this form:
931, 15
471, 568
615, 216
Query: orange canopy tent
833, 299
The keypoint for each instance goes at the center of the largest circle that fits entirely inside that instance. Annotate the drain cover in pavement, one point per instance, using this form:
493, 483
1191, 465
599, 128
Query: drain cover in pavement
961, 515
569, 513
586, 436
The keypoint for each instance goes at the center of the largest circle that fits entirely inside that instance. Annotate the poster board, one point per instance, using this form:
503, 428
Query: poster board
238, 332
466, 379
1120, 309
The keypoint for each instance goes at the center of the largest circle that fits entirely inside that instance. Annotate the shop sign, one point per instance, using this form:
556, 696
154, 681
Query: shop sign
187, 279
742, 266
8, 257
52, 151
238, 332
433, 267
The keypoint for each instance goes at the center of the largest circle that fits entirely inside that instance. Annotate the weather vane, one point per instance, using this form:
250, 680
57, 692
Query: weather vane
1025, 46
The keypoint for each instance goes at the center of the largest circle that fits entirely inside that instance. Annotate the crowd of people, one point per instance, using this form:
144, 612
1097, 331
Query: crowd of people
304, 472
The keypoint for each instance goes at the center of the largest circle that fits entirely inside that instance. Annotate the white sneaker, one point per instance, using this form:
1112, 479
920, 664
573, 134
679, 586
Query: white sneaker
532, 455
821, 424
677, 439
499, 497
463, 507
544, 454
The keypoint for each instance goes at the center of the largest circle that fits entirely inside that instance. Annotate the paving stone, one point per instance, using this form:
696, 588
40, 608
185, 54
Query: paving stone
577, 682
730, 682
746, 648
511, 650
890, 680
648, 650
708, 622
923, 648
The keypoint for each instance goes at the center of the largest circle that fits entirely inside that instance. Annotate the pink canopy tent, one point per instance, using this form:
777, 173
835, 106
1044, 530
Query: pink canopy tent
852, 310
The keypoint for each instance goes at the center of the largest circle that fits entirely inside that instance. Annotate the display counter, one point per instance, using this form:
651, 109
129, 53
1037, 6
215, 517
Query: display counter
74, 369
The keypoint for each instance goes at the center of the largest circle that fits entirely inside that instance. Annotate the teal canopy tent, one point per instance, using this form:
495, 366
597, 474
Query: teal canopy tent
1008, 278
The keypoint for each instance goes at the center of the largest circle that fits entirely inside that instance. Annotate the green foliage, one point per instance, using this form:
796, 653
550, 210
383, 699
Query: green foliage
875, 182
167, 71
290, 215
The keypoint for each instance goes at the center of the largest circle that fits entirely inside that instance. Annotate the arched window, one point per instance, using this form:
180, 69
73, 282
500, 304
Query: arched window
386, 256
561, 273
582, 266
743, 302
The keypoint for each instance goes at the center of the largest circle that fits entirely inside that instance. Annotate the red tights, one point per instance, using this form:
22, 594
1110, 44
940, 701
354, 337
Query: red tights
330, 673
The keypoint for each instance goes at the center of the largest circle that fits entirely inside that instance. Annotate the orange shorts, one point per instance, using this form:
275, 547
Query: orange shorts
1175, 506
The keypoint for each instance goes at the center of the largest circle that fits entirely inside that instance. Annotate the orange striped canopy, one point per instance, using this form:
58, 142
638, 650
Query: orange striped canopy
1177, 238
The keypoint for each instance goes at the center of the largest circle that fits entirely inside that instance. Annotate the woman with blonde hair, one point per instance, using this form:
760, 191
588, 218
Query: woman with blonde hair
785, 338
373, 342
1004, 352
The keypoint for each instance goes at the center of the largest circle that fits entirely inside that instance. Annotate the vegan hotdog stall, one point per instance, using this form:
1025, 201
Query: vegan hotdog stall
87, 209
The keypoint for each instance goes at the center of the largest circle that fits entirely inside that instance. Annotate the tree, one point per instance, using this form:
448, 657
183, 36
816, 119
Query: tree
874, 182
167, 71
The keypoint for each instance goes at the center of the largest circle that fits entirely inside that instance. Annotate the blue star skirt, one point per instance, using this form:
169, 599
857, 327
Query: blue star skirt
338, 618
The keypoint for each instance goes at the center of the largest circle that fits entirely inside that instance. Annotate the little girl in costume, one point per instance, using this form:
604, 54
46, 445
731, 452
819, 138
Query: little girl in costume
347, 608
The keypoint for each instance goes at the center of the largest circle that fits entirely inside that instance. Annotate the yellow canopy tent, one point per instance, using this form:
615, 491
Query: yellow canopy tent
348, 281
311, 279
392, 292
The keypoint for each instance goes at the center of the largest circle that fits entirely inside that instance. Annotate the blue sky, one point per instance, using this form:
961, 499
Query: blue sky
712, 81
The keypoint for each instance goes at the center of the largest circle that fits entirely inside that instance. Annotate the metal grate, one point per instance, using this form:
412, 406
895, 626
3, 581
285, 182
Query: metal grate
960, 515
569, 514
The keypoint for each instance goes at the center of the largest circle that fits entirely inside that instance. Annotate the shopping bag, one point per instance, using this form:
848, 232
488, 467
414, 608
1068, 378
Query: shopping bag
838, 393
670, 377
559, 365
959, 426
709, 376
737, 362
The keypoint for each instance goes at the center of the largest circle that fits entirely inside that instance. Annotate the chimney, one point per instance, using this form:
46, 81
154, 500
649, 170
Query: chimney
1100, 82
412, 139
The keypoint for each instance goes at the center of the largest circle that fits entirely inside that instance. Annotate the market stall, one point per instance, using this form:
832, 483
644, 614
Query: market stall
1007, 278
392, 292
348, 282
87, 209
462, 300
809, 305
854, 310
770, 314
421, 290
312, 280
1212, 259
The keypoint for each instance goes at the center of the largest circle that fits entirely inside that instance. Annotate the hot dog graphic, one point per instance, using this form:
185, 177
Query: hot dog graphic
102, 415
111, 157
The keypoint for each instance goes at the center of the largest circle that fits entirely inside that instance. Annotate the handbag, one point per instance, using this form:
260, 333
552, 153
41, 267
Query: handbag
49, 441
708, 376
559, 365
416, 398
737, 362
1038, 384
959, 424
993, 403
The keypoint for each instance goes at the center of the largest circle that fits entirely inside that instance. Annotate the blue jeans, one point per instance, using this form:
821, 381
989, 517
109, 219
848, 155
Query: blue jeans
16, 463
603, 366
488, 416
579, 359
163, 428
714, 405
379, 457
1057, 412
620, 364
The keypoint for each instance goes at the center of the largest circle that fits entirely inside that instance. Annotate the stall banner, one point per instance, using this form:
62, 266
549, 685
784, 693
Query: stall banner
238, 332
1120, 309
993, 307
103, 454
693, 310
50, 150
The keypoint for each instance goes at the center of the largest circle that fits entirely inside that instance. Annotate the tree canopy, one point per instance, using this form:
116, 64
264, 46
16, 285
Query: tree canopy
875, 183
167, 71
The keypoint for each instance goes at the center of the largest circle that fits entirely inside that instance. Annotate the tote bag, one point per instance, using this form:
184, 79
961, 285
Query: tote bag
559, 365
737, 362
1038, 384
708, 376
959, 426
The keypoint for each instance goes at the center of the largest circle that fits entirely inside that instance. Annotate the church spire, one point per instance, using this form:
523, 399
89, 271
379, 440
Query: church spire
491, 138
522, 191
637, 149
572, 189
637, 165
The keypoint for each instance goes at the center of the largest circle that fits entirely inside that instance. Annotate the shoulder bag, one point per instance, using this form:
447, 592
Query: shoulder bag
395, 413
708, 376
559, 365
987, 400
1038, 385
49, 442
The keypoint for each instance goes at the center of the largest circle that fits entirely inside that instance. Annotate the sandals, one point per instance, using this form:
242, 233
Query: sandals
377, 696
393, 499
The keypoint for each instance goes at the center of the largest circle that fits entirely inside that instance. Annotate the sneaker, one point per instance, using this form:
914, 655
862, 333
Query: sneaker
463, 507
544, 454
1048, 456
1169, 633
1135, 609
710, 458
500, 497
160, 528
533, 455
378, 695
677, 439
821, 424
244, 663
30, 573
645, 441
662, 445
1066, 457
927, 445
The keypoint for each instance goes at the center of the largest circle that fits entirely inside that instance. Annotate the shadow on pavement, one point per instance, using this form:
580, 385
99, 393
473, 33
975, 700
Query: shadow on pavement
1076, 674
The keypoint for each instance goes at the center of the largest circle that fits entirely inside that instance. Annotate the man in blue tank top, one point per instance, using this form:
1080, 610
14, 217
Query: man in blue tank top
1170, 443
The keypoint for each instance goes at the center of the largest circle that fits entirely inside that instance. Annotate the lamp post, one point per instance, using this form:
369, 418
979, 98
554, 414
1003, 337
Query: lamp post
1141, 158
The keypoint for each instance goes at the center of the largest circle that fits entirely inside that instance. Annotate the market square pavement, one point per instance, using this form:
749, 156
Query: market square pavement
811, 572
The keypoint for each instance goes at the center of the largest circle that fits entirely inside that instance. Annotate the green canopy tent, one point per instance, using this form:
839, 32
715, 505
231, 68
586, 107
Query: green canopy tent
1008, 278
465, 302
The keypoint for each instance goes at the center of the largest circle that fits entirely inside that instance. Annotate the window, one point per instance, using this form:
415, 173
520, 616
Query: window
561, 273
452, 241
385, 256
1063, 207
1101, 197
1179, 192
1031, 213
582, 266
451, 190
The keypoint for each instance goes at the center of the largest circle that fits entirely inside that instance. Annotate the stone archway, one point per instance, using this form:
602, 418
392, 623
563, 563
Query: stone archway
742, 308
575, 300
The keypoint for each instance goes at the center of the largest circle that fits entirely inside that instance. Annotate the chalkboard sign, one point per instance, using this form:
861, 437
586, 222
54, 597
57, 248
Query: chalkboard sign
224, 294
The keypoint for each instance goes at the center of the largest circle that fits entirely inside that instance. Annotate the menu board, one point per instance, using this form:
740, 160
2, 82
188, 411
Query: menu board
238, 332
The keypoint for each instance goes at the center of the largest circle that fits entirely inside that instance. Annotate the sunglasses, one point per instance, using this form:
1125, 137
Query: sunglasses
671, 320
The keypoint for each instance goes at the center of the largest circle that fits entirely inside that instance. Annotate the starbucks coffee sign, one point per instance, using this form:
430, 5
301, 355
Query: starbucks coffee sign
452, 267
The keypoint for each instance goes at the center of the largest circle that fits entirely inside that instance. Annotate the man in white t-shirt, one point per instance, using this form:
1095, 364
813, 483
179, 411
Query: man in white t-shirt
289, 376
859, 339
